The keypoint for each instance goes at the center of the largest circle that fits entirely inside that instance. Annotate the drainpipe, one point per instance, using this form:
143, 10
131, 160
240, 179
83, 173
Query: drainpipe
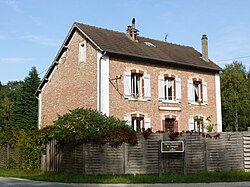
100, 83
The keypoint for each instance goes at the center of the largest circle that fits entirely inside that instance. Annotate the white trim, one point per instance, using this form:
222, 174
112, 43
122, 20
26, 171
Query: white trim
218, 103
169, 108
104, 83
99, 54
71, 39
40, 110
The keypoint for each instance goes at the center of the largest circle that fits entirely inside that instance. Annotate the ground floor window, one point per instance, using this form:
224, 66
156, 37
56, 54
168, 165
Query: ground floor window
138, 123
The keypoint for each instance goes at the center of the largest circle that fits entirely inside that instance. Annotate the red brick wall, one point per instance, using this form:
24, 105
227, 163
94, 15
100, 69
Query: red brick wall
120, 107
73, 84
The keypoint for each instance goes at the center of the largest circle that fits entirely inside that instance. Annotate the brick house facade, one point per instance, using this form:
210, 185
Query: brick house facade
148, 83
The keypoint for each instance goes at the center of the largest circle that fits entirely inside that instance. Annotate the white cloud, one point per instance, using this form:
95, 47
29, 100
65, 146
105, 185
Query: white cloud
14, 60
43, 40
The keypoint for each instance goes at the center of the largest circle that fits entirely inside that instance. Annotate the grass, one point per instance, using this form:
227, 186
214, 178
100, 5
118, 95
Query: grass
232, 176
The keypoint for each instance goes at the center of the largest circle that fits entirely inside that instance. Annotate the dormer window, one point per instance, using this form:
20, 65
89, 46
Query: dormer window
82, 52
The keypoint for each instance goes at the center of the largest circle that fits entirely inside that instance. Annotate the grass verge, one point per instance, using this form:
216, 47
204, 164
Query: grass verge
232, 176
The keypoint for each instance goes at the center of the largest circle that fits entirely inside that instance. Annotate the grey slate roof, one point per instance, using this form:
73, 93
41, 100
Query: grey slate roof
119, 43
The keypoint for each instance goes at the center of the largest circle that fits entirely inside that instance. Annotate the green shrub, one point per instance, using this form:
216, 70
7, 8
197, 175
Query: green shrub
90, 126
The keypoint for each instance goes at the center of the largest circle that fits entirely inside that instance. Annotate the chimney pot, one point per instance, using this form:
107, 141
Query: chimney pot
204, 44
132, 32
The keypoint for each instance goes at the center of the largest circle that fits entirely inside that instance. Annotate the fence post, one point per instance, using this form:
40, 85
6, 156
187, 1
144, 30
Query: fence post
8, 155
160, 160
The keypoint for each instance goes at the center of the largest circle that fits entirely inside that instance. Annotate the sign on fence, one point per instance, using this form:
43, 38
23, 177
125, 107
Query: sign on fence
172, 146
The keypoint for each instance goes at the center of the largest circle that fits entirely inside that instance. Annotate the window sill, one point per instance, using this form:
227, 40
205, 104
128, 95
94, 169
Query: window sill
197, 104
137, 99
169, 101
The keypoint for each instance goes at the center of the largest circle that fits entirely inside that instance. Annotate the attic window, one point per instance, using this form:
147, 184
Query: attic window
149, 44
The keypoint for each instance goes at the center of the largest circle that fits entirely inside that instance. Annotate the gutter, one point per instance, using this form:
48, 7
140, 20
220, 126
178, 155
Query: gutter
100, 82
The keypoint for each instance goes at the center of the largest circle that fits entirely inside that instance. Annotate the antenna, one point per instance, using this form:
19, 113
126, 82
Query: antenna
166, 37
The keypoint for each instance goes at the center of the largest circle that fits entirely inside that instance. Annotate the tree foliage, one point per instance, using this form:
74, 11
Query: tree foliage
25, 108
235, 97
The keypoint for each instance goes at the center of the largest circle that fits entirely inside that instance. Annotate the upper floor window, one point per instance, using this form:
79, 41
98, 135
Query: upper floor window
137, 85
169, 88
197, 91
82, 52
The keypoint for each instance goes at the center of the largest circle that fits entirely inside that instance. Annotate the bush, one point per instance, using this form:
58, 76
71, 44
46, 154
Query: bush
90, 126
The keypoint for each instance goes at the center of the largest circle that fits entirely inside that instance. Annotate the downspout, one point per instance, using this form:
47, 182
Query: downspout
100, 82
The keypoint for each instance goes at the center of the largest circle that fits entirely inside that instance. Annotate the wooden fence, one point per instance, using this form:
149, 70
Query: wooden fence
9, 157
229, 151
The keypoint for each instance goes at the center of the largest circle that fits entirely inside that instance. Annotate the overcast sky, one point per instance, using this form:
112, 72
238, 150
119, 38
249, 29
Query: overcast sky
31, 31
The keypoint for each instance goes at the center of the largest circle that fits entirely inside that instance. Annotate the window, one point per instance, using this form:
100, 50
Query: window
169, 88
198, 124
138, 121
137, 85
149, 44
82, 52
197, 91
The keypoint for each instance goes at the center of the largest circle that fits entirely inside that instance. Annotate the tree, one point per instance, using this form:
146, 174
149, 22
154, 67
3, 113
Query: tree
25, 109
235, 97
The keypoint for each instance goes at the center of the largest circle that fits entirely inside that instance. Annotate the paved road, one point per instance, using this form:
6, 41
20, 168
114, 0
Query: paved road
27, 183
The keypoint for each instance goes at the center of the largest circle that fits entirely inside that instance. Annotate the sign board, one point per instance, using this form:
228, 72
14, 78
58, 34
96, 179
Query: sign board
172, 146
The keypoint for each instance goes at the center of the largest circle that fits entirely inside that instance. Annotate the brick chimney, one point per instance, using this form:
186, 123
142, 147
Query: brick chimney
204, 44
132, 32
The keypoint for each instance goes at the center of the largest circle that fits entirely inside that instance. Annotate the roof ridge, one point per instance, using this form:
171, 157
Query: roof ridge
138, 35
99, 28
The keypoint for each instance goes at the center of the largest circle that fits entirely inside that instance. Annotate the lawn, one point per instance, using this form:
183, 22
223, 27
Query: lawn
232, 176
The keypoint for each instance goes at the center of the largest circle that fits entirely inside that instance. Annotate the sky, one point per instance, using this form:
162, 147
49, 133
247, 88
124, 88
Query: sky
32, 31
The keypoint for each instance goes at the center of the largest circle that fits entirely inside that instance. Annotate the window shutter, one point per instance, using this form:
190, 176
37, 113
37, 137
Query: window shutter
147, 123
206, 123
175, 126
128, 120
127, 85
191, 124
204, 90
190, 91
147, 94
178, 90
161, 84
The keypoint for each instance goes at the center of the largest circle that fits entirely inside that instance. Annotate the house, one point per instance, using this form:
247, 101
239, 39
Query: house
149, 83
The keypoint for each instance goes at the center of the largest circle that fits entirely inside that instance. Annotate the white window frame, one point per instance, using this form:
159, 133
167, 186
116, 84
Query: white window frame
163, 91
136, 85
169, 81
